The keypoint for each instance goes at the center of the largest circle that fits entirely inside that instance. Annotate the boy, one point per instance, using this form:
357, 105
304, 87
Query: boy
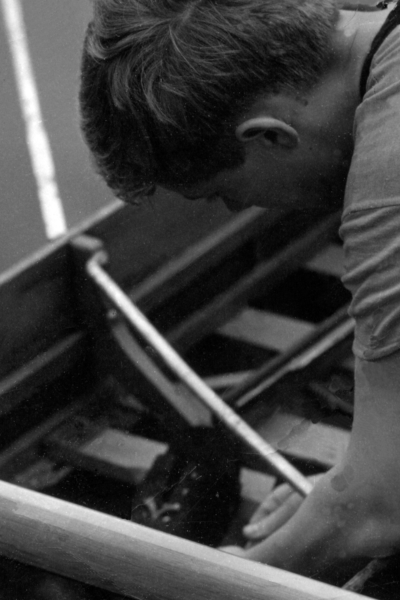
265, 102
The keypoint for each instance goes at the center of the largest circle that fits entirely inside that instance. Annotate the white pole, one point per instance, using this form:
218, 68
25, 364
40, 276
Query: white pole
36, 135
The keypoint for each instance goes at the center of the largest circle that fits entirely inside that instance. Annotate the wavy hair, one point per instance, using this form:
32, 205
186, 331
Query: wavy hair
163, 82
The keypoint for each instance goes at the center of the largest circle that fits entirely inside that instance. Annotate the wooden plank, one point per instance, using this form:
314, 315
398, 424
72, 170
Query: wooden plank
131, 452
136, 455
329, 261
326, 338
300, 438
111, 453
126, 558
266, 329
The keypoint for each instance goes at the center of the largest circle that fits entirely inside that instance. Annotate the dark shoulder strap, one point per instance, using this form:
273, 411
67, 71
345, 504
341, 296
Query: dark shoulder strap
391, 22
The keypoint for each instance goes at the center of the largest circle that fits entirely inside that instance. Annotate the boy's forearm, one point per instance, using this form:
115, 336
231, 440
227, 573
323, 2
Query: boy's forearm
353, 512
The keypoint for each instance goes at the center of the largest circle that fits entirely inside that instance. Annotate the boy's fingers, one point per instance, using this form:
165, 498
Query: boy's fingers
279, 506
272, 502
270, 523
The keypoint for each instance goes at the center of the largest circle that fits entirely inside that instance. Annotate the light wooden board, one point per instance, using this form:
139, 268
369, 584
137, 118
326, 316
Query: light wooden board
303, 439
329, 261
131, 452
266, 329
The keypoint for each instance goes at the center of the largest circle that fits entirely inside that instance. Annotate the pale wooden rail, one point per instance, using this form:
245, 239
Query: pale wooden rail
129, 559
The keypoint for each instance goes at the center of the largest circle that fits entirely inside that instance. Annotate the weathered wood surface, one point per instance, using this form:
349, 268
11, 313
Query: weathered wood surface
138, 562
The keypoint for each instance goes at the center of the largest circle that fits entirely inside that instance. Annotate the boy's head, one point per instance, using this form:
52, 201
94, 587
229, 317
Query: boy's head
165, 82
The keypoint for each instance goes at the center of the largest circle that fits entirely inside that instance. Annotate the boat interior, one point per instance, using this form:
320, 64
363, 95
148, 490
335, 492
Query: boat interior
150, 371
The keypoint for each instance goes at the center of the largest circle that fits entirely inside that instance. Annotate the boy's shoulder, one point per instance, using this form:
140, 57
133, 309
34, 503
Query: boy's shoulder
374, 176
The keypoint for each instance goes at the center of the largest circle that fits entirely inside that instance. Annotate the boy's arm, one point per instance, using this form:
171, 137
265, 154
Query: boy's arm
354, 511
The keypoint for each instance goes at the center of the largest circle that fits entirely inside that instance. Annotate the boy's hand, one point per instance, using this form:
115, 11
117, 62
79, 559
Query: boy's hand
278, 507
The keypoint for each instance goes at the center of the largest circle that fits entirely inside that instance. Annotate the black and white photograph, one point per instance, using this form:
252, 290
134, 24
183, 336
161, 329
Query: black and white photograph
200, 300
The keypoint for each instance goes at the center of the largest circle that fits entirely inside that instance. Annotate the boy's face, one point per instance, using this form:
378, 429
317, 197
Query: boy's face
298, 151
310, 180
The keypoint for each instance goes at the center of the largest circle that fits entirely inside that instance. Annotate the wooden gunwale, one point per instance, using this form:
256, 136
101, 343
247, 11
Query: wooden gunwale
135, 561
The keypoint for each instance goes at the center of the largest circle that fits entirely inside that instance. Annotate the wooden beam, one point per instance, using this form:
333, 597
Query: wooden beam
126, 558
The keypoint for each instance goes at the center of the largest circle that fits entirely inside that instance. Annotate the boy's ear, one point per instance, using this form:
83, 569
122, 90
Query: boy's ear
268, 130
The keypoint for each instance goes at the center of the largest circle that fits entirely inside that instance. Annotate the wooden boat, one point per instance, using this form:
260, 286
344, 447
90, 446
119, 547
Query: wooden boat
77, 380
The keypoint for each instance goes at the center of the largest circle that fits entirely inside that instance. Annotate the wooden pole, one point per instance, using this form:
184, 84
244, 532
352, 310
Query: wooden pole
187, 376
129, 559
